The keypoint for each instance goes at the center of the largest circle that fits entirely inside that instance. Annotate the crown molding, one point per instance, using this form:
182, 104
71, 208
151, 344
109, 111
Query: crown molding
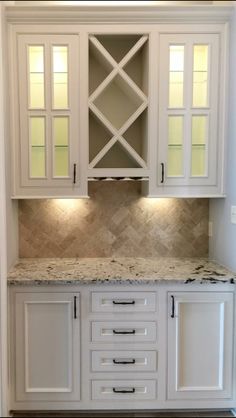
119, 14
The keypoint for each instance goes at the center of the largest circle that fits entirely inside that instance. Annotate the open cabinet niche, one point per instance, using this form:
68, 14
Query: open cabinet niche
118, 105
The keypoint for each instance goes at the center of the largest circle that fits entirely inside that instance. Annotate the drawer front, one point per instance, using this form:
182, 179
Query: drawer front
123, 331
124, 390
123, 302
124, 361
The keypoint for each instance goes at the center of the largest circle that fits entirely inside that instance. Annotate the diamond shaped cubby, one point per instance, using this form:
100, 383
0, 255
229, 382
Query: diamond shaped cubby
118, 88
118, 46
118, 101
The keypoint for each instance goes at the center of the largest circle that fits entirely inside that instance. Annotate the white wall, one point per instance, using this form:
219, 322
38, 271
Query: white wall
223, 242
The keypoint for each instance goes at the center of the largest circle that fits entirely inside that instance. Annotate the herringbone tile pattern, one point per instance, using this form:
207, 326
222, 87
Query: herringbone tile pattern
115, 222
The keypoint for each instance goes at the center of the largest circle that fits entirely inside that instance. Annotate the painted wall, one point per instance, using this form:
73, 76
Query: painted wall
223, 242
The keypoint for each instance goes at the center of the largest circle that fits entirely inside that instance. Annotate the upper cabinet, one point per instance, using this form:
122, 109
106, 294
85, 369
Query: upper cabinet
96, 101
190, 151
118, 104
47, 147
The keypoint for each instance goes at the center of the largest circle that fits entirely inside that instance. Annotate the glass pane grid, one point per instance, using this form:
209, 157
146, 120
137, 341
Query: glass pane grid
61, 146
36, 76
175, 146
200, 75
60, 77
37, 147
176, 76
199, 145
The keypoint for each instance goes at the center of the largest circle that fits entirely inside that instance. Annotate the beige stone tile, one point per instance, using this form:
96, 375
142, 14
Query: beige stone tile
115, 221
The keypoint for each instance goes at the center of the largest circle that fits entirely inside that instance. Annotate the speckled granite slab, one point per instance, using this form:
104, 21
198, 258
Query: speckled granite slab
118, 271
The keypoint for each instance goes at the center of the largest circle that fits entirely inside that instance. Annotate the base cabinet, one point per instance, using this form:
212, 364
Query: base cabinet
47, 347
93, 346
200, 341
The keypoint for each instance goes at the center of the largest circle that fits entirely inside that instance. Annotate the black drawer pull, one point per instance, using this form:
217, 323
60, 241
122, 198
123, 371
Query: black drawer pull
123, 390
132, 302
124, 361
133, 331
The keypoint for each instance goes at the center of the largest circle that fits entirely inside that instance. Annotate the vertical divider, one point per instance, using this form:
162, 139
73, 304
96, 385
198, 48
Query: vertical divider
48, 108
153, 111
83, 109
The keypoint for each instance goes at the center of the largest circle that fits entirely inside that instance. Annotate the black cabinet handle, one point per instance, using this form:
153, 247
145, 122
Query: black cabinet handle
74, 174
124, 332
124, 361
132, 390
162, 172
172, 307
132, 302
75, 307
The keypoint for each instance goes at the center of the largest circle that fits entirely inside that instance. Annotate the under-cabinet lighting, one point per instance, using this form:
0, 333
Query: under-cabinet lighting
152, 202
68, 204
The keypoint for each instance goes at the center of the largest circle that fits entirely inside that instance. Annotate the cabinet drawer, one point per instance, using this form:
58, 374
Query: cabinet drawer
123, 302
123, 331
124, 389
124, 361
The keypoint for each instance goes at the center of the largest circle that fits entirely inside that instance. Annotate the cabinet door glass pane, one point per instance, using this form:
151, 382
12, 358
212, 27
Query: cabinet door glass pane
37, 146
36, 76
61, 146
200, 75
199, 140
175, 146
176, 75
60, 77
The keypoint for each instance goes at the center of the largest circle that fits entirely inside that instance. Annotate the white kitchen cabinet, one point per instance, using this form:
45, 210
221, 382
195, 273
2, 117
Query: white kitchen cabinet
108, 102
47, 346
200, 341
191, 136
47, 149
179, 356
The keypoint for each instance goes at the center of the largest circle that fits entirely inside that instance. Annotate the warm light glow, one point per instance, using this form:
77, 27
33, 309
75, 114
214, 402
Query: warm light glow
68, 204
152, 202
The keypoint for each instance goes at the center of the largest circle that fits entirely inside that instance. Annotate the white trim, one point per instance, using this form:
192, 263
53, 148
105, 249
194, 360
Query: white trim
119, 14
3, 244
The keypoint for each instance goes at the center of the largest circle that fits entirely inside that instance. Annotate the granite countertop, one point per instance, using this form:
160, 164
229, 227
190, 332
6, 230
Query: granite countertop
118, 271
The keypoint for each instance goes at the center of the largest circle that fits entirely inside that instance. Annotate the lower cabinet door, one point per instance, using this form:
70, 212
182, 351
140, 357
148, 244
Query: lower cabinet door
47, 347
200, 334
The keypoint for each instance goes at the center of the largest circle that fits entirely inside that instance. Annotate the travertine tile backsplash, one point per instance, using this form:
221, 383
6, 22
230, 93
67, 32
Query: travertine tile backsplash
115, 221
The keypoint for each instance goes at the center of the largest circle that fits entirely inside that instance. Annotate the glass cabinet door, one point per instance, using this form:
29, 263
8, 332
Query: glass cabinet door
189, 70
49, 110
